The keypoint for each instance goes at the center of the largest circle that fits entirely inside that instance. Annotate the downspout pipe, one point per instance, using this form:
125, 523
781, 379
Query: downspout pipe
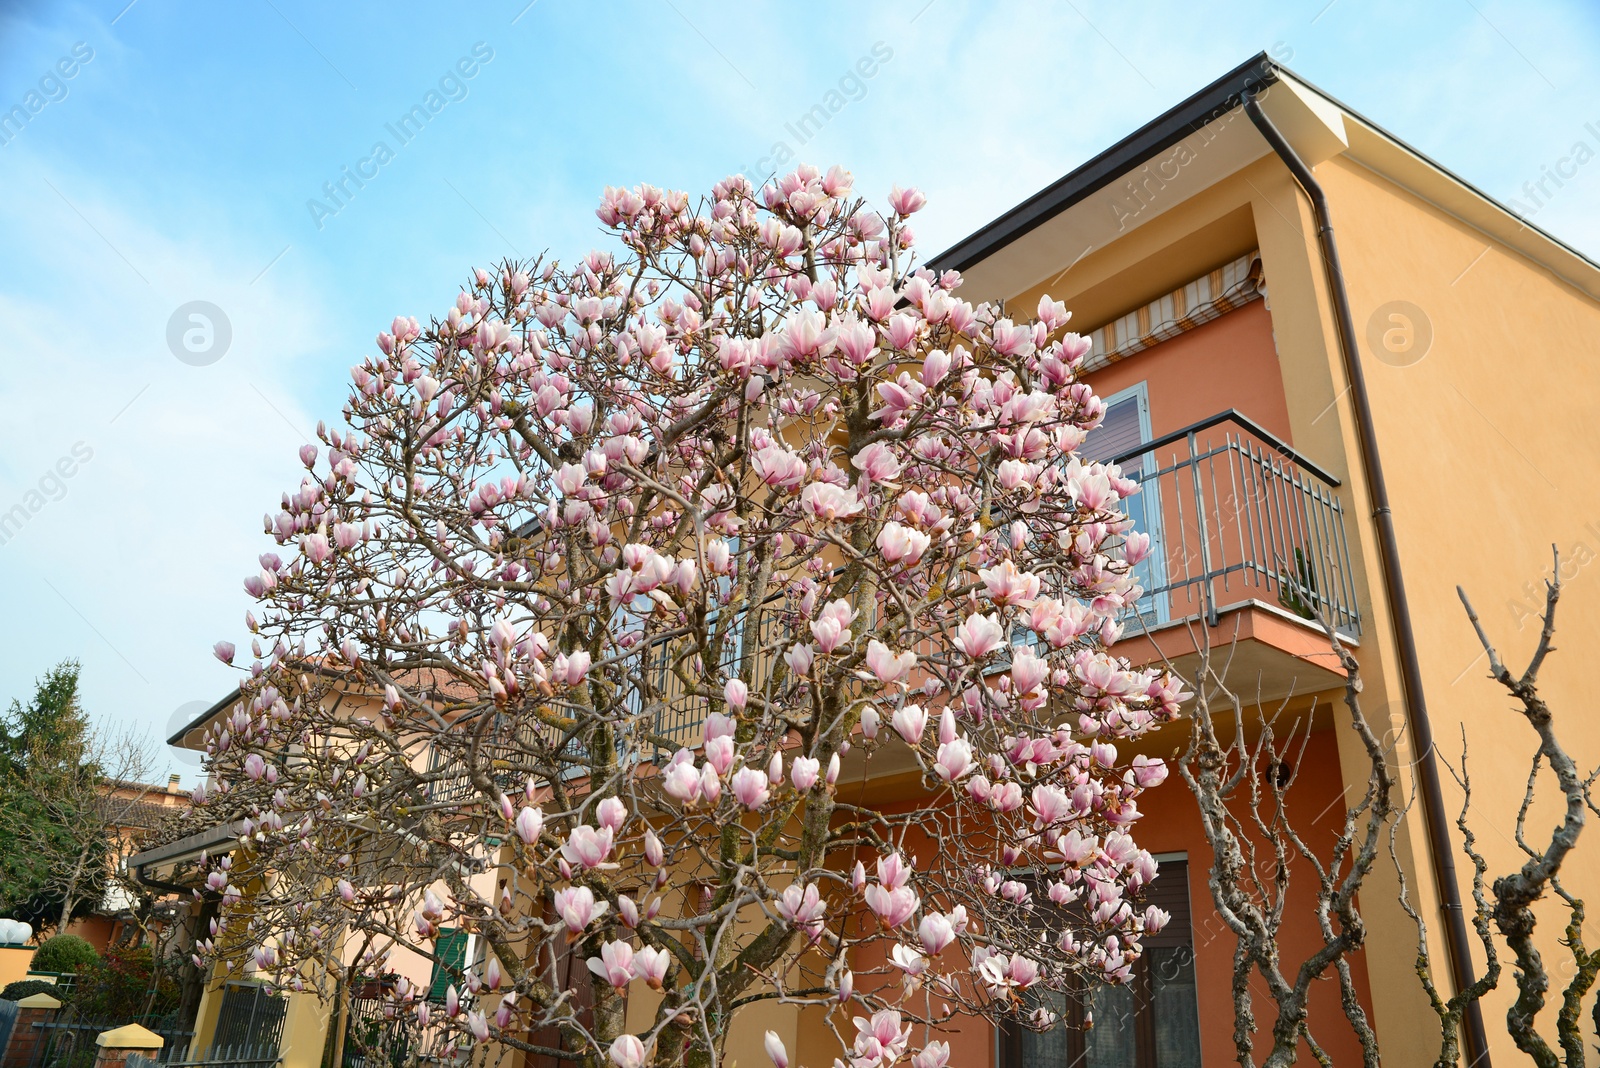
1438, 824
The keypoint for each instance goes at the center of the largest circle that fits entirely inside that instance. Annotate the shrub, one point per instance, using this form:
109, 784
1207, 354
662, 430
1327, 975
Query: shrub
64, 953
24, 988
121, 985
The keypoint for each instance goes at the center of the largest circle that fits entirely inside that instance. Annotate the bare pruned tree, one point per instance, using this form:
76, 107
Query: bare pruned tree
100, 806
1507, 903
1241, 763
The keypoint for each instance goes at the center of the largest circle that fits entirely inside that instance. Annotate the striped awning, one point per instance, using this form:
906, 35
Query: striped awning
1216, 293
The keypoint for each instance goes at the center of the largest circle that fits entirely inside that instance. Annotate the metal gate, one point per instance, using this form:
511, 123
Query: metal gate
249, 1028
8, 1020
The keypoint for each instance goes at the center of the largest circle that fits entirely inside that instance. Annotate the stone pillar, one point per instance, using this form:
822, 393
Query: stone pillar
31, 1010
116, 1044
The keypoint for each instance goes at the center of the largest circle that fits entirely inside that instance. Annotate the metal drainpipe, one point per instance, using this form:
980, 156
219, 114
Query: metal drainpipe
1456, 938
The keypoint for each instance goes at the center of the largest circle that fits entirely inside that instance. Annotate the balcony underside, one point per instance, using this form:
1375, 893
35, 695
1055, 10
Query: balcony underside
1258, 651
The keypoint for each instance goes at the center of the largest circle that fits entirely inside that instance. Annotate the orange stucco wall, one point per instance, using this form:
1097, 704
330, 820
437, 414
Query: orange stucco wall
1171, 824
1229, 362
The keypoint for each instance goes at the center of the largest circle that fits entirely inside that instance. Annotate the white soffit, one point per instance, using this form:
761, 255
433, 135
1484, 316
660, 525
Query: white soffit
1221, 148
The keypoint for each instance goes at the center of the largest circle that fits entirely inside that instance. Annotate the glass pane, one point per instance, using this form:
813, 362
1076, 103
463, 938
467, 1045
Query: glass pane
1177, 1012
1047, 1049
1117, 433
1112, 1041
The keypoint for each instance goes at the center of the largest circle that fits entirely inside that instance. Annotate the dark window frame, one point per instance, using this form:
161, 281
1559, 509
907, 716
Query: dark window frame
1178, 934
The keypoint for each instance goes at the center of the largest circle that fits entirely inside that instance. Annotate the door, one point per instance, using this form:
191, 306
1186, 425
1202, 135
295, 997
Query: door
1151, 1022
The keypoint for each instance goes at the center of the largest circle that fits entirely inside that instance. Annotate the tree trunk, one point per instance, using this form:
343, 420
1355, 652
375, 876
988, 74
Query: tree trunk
70, 894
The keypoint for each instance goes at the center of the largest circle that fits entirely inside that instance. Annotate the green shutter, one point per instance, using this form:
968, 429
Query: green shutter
451, 949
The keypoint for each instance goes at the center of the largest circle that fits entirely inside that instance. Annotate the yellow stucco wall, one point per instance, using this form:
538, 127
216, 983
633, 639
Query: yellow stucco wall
1487, 461
1491, 453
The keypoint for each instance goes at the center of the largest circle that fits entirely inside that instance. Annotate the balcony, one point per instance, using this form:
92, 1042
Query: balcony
1241, 526
1247, 536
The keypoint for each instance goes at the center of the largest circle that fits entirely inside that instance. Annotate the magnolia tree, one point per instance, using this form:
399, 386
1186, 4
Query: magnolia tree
612, 573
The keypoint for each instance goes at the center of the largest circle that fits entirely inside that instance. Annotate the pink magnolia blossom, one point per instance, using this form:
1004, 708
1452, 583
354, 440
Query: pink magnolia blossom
570, 668
881, 1039
750, 788
711, 784
906, 201
936, 932
611, 813
577, 907
776, 1050
831, 628
614, 964
720, 753
894, 907
1028, 670
650, 964
529, 823
908, 960
1147, 772
1135, 546
826, 501
911, 723
954, 759
777, 466
902, 544
1007, 585
587, 847
682, 783
877, 463
802, 906
627, 1052
798, 659
885, 665
316, 547
803, 773
979, 635
893, 871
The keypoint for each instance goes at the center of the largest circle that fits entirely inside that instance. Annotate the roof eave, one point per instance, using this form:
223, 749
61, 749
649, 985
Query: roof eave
1192, 115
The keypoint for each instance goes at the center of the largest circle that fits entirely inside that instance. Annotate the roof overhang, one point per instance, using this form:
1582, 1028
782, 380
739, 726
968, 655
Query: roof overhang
1199, 143
191, 734
175, 865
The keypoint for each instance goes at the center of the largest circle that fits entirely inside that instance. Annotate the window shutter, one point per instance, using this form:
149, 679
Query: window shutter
451, 949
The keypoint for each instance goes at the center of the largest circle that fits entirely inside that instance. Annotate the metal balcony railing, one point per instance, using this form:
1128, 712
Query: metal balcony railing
1234, 513
679, 716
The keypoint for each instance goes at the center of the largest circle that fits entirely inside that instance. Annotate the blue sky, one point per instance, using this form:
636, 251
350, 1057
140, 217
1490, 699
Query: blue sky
180, 160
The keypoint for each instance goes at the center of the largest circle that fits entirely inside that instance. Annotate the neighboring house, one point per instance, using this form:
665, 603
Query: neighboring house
132, 812
1192, 255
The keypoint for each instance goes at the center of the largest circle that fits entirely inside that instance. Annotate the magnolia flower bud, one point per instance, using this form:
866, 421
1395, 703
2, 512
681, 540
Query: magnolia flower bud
627, 1052
776, 1050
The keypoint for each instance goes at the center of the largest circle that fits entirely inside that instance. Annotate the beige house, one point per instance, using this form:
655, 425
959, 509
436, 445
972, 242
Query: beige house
1379, 415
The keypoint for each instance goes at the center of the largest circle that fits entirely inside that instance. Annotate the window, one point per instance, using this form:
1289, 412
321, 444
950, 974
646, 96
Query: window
1126, 426
1152, 1022
451, 950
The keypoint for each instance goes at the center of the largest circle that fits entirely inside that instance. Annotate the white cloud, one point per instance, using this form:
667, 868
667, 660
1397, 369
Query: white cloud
136, 568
